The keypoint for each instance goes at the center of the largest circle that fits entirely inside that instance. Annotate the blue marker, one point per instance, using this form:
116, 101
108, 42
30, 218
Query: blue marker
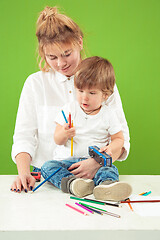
46, 180
64, 116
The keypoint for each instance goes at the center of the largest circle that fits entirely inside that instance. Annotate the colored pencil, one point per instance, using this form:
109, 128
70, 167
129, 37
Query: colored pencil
140, 201
101, 202
86, 200
87, 209
64, 116
92, 209
69, 120
95, 201
46, 179
142, 193
76, 209
129, 204
72, 142
147, 193
101, 210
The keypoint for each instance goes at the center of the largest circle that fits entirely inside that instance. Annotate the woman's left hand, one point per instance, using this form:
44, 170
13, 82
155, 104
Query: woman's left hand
85, 169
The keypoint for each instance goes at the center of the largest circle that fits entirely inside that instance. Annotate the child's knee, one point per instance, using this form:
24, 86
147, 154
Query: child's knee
49, 165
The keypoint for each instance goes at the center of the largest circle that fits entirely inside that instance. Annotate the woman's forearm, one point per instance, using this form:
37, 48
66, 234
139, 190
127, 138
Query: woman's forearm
23, 161
116, 147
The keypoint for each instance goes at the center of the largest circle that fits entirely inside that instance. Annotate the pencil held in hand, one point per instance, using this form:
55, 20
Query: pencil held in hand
72, 142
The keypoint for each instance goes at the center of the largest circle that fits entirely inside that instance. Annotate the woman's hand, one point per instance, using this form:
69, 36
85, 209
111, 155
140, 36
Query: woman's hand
85, 169
24, 182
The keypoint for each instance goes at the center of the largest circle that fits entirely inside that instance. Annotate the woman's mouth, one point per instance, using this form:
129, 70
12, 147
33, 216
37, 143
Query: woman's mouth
65, 69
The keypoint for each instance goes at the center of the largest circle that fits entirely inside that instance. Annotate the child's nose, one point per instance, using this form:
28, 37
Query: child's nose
85, 96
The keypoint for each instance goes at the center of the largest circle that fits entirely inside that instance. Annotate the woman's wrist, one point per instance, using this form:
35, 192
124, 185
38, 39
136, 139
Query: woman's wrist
23, 161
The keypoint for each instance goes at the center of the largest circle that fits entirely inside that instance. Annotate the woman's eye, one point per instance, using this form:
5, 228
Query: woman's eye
67, 55
51, 58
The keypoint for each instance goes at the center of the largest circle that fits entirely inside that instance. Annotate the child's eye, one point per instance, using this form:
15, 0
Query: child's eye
92, 93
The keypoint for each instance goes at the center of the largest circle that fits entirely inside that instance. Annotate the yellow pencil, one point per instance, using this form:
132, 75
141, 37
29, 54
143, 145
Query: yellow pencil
72, 142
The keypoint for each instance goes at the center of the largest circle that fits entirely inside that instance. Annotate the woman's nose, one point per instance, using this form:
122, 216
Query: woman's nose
61, 62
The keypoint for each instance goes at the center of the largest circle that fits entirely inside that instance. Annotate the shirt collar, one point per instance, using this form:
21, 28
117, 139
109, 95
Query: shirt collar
63, 78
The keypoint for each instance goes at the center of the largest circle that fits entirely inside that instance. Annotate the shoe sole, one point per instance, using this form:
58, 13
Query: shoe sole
115, 191
82, 187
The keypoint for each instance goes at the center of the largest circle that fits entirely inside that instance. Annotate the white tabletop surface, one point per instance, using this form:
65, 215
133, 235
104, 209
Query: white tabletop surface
45, 210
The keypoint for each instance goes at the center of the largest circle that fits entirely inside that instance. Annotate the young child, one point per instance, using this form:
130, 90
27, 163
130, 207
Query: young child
94, 124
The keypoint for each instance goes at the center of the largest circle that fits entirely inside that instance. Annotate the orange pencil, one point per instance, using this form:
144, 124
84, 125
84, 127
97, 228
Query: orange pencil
130, 205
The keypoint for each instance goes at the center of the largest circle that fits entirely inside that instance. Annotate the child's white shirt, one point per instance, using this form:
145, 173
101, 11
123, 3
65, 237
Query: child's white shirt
90, 130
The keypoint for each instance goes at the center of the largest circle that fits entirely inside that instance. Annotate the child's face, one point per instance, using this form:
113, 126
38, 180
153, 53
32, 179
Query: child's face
90, 99
64, 63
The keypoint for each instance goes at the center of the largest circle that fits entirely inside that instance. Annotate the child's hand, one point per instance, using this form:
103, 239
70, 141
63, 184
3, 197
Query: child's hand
63, 133
106, 149
69, 132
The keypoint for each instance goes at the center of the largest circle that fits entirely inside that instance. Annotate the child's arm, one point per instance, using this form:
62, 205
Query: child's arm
115, 147
63, 133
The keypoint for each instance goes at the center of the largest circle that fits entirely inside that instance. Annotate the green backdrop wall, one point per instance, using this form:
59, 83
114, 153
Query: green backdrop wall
124, 31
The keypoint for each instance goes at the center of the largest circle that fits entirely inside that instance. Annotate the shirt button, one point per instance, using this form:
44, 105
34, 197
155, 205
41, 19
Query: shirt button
70, 91
69, 78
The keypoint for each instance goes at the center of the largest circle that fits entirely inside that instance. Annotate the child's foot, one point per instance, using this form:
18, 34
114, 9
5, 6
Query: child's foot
77, 186
114, 191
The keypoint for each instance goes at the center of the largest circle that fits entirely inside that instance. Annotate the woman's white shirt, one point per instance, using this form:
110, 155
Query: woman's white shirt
43, 95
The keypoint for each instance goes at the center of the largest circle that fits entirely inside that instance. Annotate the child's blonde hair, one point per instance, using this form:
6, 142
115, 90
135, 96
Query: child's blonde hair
55, 28
95, 72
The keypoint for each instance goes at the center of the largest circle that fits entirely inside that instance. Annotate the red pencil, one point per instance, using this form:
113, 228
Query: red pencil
140, 201
70, 120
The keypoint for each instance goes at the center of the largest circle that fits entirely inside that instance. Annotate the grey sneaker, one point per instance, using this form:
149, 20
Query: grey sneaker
81, 187
115, 191
65, 183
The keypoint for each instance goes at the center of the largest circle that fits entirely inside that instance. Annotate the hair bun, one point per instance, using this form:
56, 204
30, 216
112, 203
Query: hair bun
49, 12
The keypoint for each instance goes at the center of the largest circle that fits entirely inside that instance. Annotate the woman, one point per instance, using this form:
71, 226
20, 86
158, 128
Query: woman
44, 93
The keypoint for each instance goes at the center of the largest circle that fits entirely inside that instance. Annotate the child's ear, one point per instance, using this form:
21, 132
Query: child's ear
105, 96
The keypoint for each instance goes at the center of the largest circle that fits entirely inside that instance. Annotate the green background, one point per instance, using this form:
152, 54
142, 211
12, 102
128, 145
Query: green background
126, 32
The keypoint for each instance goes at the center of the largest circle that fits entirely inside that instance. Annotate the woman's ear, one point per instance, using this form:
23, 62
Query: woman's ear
81, 42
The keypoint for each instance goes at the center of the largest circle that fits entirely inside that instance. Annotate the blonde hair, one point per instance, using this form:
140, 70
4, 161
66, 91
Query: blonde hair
55, 28
95, 72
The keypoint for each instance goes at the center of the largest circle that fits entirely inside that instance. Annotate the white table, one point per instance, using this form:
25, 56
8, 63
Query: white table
43, 215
